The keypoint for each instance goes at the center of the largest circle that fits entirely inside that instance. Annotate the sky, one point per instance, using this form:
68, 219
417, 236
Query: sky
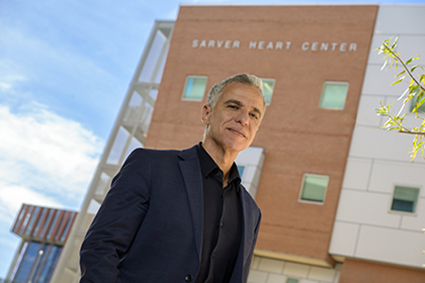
65, 67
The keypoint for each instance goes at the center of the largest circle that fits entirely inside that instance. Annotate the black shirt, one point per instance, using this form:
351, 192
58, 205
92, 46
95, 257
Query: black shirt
222, 230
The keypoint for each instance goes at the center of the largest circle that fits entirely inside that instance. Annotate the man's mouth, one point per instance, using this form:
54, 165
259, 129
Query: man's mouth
237, 132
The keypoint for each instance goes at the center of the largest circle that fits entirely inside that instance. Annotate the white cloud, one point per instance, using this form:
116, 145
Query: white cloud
12, 198
44, 159
9, 76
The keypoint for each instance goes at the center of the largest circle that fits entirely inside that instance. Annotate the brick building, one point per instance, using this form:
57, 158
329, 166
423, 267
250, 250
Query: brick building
340, 200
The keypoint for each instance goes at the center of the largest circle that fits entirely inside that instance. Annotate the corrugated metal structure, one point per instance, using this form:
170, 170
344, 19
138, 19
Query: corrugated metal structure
43, 231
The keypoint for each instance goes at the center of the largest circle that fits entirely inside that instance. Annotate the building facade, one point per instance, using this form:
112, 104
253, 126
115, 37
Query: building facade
43, 232
340, 200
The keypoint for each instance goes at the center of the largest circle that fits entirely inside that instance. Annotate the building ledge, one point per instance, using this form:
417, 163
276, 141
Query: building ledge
329, 262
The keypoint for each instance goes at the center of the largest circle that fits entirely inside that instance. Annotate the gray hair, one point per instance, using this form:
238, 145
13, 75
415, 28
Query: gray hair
217, 90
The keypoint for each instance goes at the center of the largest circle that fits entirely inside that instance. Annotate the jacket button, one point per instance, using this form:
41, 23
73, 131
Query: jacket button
188, 278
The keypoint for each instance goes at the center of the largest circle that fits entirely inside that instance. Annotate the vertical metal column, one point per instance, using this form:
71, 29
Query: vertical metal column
134, 123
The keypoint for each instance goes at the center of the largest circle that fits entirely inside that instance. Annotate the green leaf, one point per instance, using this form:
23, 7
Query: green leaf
419, 103
408, 61
404, 93
397, 81
385, 63
401, 73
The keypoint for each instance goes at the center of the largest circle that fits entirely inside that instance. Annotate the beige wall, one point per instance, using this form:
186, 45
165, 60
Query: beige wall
298, 136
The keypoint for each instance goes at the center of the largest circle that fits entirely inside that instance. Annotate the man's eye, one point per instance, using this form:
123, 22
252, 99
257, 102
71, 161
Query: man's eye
234, 106
254, 116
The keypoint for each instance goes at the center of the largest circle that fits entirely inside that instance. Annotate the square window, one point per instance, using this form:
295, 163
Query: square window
421, 108
405, 199
268, 86
292, 280
333, 95
195, 88
314, 188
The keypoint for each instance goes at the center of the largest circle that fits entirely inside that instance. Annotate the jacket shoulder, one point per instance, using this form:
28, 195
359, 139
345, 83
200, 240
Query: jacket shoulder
249, 200
158, 153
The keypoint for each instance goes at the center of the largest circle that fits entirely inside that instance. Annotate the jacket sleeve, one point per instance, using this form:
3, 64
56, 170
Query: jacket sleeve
117, 221
247, 266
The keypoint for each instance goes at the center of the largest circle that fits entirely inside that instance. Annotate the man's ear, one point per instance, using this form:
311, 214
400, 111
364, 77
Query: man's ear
206, 113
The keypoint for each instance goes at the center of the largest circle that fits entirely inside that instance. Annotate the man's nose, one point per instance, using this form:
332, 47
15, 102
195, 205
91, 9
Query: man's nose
243, 117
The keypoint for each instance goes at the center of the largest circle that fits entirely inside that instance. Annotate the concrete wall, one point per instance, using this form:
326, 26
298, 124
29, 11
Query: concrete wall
365, 228
265, 270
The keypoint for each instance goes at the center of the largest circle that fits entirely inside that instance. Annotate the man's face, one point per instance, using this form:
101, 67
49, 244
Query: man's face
235, 119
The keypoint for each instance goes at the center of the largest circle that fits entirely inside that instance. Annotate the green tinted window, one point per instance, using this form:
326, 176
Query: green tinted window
268, 86
195, 88
240, 170
334, 95
314, 188
405, 199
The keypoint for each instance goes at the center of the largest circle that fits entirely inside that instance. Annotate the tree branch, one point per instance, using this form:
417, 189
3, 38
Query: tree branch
404, 65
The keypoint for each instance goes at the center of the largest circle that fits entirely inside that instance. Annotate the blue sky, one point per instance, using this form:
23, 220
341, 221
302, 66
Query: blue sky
65, 67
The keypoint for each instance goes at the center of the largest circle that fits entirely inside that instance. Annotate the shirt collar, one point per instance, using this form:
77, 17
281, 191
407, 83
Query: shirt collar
208, 166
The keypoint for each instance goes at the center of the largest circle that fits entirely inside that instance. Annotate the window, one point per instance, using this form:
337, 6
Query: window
33, 218
46, 223
49, 265
240, 170
28, 260
421, 109
333, 95
268, 86
65, 231
52, 226
314, 188
292, 280
26, 219
40, 220
405, 199
195, 88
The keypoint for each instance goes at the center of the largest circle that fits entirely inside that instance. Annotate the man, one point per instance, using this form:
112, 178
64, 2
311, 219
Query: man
183, 216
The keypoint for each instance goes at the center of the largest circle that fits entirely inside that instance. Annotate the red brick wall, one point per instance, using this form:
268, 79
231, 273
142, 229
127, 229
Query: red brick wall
298, 136
356, 271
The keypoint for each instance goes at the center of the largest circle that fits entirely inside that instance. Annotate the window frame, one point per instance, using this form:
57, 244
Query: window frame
185, 85
302, 186
323, 91
399, 212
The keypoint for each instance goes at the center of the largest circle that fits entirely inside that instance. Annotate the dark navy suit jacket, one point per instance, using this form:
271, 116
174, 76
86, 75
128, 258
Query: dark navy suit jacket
149, 226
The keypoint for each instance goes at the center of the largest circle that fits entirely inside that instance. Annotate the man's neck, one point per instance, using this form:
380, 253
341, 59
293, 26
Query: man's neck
224, 159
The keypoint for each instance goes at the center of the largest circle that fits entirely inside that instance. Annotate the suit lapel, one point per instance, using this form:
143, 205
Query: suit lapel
191, 171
